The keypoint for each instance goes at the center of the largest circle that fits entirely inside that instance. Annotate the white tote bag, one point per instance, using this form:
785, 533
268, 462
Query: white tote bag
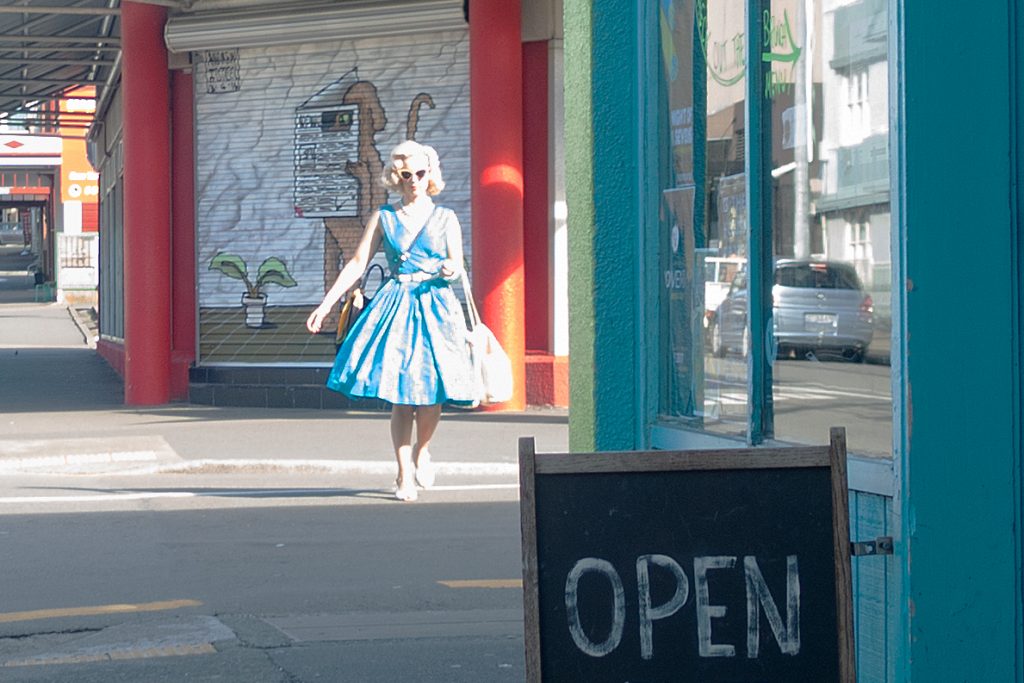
491, 364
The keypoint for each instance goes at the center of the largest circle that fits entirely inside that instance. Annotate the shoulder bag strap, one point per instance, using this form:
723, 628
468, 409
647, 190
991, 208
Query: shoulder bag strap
474, 314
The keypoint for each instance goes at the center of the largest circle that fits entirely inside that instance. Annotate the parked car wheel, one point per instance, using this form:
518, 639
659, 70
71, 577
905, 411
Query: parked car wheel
717, 346
854, 355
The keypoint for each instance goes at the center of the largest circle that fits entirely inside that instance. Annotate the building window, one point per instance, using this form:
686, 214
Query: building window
859, 248
858, 105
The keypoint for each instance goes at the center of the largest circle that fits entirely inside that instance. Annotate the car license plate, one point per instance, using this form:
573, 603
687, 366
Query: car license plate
820, 322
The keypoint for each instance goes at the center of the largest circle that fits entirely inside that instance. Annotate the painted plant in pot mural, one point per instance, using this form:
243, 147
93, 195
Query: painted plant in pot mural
272, 271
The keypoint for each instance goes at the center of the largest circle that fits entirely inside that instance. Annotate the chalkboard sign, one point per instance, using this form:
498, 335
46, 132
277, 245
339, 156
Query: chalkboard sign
731, 565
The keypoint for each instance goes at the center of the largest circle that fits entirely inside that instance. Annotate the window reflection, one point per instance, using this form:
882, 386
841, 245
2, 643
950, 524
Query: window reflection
703, 226
831, 301
830, 223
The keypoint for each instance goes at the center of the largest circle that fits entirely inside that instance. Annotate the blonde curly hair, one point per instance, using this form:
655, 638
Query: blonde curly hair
405, 150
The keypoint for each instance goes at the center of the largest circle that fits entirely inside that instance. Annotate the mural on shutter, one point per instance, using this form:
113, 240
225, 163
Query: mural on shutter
288, 165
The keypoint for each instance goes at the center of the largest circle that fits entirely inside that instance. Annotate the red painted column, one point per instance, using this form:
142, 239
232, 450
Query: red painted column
536, 197
147, 230
496, 136
183, 234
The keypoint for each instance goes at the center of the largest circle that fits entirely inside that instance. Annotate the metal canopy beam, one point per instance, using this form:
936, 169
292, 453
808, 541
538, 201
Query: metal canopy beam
58, 40
41, 81
50, 49
47, 115
31, 9
43, 97
57, 62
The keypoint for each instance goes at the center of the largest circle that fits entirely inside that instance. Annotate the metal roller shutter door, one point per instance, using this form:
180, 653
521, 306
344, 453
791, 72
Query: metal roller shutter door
281, 133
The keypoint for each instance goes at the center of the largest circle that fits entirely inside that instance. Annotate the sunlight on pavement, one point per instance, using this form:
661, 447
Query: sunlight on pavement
170, 651
483, 583
57, 613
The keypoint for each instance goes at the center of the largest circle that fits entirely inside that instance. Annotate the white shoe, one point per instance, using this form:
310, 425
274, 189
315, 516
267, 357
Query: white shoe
425, 472
406, 494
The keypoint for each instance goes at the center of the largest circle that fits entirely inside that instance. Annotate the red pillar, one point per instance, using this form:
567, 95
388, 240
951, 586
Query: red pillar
183, 234
536, 202
147, 230
496, 136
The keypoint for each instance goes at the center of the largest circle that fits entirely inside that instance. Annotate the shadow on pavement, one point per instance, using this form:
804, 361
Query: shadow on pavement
199, 492
51, 380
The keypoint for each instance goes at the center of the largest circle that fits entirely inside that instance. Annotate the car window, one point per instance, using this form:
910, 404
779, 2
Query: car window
739, 282
817, 276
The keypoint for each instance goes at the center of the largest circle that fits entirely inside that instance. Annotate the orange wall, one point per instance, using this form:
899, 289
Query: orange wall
79, 182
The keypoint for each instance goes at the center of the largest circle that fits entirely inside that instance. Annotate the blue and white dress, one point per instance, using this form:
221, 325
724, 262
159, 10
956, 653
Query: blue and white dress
409, 345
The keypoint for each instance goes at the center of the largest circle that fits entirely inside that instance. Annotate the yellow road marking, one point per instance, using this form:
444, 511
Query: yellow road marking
483, 583
6, 618
168, 651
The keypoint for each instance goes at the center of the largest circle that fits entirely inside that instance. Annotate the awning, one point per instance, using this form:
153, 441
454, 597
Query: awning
336, 21
49, 48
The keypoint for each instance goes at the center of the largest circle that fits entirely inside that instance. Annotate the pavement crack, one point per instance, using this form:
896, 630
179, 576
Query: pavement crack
37, 634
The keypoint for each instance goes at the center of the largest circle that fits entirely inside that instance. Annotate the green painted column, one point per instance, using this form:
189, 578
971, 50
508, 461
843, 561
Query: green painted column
602, 190
959, 482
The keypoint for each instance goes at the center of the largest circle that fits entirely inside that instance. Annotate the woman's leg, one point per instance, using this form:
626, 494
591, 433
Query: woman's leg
427, 419
402, 418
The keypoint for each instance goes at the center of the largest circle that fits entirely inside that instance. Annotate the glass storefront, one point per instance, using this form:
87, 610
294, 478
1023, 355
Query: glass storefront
777, 326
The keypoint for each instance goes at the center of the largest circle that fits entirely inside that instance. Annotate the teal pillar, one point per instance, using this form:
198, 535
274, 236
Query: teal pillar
603, 194
1017, 148
959, 461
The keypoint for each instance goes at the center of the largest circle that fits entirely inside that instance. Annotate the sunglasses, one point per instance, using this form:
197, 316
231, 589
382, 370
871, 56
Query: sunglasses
407, 175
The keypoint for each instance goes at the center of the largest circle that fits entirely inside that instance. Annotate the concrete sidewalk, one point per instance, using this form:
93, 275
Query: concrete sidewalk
62, 412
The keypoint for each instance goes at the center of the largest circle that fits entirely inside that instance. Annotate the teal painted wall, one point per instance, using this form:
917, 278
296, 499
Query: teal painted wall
1017, 140
601, 115
947, 606
959, 475
874, 603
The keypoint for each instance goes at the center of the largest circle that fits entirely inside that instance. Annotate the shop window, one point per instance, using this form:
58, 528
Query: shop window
701, 223
831, 347
813, 351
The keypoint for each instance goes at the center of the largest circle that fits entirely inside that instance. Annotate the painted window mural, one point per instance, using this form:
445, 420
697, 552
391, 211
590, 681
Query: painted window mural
293, 142
825, 181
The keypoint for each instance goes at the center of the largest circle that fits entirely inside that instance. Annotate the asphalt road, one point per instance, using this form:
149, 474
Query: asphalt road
180, 542
285, 590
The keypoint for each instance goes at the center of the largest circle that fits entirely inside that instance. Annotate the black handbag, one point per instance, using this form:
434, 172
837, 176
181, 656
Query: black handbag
354, 304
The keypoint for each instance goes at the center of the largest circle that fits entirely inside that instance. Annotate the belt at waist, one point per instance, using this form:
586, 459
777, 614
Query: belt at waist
418, 276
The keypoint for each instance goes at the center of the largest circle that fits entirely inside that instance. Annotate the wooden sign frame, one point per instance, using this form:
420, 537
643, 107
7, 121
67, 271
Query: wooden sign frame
833, 456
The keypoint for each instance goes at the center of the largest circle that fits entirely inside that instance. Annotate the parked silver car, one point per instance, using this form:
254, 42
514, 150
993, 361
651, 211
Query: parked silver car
816, 305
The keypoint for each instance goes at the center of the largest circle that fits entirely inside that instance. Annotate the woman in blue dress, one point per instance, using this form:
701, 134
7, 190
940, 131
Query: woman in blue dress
409, 345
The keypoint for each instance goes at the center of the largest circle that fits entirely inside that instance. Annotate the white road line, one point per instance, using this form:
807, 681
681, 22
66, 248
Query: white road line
97, 498
223, 493
373, 467
796, 394
475, 487
18, 464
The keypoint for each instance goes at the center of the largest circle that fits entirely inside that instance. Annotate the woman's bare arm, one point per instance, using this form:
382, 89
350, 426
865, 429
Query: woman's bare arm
350, 273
